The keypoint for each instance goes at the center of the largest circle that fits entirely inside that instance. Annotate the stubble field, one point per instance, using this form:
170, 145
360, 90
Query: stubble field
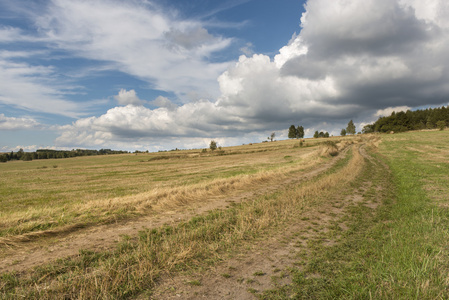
271, 221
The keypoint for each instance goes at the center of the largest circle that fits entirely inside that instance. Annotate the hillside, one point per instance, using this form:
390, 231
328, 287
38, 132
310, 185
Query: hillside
271, 220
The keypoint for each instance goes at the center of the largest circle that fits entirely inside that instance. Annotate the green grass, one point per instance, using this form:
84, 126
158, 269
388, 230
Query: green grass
400, 251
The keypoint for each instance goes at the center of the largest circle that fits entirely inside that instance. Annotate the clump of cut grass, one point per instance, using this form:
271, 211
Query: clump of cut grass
194, 283
259, 273
166, 157
329, 148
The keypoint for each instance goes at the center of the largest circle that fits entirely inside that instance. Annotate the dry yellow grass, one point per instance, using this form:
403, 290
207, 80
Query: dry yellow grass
42, 195
136, 265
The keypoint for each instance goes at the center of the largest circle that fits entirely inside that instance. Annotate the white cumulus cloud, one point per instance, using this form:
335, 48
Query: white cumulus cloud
125, 97
11, 123
352, 59
387, 111
164, 102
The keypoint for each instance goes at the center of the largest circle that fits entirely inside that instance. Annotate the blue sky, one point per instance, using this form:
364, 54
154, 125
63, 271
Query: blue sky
155, 75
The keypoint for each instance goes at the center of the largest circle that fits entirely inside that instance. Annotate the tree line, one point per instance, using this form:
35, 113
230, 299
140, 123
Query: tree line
321, 134
430, 118
298, 132
350, 129
48, 154
295, 132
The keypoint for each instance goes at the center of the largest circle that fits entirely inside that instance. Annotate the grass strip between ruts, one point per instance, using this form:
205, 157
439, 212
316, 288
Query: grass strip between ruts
398, 252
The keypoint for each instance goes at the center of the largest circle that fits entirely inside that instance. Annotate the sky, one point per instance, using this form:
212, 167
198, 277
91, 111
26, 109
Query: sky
165, 74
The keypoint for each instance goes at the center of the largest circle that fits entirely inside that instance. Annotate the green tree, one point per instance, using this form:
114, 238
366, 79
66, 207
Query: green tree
316, 134
368, 128
441, 125
343, 132
351, 128
292, 132
429, 123
19, 154
27, 156
272, 135
213, 145
326, 134
300, 132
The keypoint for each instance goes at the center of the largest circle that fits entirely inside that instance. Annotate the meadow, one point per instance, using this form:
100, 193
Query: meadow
370, 222
48, 194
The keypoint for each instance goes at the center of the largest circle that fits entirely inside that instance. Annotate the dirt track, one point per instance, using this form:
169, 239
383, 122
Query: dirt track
265, 265
20, 254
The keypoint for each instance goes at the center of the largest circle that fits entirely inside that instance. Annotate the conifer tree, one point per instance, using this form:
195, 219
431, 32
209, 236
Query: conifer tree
351, 128
292, 132
300, 132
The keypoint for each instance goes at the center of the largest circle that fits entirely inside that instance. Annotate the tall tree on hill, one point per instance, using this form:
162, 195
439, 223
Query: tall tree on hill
292, 132
343, 132
351, 128
213, 145
300, 132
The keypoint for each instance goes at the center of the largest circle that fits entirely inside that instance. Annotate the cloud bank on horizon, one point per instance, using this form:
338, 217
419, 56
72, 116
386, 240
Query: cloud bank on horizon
350, 60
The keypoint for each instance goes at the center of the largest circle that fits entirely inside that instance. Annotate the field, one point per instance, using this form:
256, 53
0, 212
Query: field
50, 194
355, 217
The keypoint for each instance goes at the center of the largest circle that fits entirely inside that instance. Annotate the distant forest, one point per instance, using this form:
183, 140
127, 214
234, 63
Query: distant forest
47, 154
411, 120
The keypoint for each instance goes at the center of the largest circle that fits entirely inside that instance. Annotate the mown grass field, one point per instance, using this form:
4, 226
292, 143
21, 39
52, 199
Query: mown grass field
392, 243
54, 193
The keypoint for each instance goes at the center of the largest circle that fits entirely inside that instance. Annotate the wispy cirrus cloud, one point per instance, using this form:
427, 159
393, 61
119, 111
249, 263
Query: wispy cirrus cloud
136, 38
34, 88
169, 53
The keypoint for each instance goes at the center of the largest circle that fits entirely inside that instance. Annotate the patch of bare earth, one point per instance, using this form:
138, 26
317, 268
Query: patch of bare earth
24, 252
265, 264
